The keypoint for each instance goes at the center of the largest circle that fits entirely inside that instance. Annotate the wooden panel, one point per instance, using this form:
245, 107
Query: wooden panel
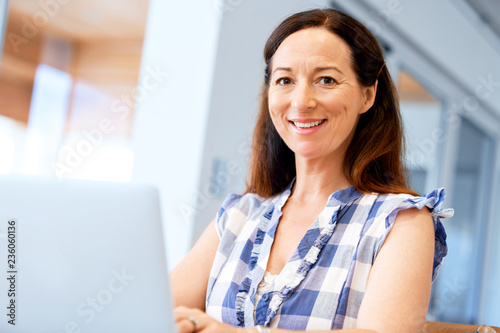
19, 44
107, 63
17, 70
86, 19
437, 327
15, 100
410, 90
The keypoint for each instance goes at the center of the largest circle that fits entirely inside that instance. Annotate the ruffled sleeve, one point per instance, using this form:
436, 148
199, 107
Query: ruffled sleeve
221, 220
234, 211
433, 201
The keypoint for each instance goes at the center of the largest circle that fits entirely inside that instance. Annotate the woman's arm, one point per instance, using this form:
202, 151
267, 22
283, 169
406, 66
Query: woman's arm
189, 279
195, 321
399, 286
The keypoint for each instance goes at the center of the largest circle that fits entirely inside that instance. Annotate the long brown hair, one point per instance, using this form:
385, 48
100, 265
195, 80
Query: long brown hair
373, 161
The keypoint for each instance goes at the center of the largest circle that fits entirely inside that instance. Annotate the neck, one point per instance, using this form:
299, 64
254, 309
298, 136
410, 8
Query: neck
318, 179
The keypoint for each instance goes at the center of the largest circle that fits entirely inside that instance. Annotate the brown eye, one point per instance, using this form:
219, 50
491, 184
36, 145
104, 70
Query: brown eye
327, 80
283, 81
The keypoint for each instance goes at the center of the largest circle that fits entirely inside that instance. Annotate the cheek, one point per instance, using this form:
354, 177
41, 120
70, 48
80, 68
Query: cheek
336, 106
277, 103
340, 106
277, 111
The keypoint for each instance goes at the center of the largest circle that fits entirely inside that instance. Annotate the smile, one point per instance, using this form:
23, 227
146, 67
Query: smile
307, 125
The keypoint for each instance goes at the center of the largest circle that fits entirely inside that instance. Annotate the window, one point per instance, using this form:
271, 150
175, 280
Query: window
457, 294
421, 113
66, 70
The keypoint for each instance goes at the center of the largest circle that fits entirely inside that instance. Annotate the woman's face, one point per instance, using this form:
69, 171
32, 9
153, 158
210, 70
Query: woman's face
314, 98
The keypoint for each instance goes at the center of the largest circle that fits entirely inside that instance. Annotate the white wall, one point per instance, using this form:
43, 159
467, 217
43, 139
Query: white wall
172, 107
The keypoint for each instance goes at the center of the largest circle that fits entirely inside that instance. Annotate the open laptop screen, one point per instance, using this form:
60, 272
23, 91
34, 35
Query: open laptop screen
81, 256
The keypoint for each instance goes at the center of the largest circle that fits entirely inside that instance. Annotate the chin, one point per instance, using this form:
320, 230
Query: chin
310, 154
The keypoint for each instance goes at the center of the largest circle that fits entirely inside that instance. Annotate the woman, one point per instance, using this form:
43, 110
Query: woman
327, 235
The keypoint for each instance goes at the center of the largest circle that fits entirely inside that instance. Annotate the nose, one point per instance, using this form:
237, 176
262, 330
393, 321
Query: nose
303, 98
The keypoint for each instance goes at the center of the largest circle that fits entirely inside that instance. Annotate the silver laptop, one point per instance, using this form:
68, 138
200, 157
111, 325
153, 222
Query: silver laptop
79, 256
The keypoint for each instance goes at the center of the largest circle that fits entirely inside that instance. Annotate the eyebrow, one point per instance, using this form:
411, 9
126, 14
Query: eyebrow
316, 70
320, 69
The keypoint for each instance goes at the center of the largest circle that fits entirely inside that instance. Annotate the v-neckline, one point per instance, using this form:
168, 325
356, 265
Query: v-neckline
294, 271
334, 202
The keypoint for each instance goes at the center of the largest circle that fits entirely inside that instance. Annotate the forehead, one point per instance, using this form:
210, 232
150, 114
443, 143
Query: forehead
313, 44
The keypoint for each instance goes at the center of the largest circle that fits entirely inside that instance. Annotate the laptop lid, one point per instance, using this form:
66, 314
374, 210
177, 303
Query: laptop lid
80, 256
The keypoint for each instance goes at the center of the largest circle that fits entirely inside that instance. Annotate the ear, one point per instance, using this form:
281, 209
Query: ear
369, 93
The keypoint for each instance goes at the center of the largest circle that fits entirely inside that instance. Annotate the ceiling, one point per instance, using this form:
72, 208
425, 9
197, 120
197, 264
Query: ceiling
489, 10
85, 19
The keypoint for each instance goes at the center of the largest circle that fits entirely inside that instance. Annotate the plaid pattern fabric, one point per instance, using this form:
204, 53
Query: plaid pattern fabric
322, 286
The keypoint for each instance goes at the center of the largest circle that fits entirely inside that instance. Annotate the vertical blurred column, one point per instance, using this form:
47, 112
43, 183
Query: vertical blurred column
48, 108
172, 103
4, 5
490, 293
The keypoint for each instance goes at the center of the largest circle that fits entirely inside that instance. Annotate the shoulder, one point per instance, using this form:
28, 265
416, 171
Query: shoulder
414, 215
412, 225
236, 209
388, 206
243, 203
418, 217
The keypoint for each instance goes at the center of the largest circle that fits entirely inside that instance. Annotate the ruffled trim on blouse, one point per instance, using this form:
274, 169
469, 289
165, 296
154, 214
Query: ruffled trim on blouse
433, 200
294, 278
263, 286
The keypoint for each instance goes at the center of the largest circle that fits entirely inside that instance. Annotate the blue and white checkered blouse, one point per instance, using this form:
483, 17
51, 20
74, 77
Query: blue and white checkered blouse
322, 285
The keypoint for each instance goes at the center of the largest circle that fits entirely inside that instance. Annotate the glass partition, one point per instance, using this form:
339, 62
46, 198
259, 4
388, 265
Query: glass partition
457, 296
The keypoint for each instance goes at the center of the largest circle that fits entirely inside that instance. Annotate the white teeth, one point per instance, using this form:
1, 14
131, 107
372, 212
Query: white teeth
307, 125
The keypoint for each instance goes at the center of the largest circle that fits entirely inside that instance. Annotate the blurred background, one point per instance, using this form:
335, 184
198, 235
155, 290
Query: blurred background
166, 92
